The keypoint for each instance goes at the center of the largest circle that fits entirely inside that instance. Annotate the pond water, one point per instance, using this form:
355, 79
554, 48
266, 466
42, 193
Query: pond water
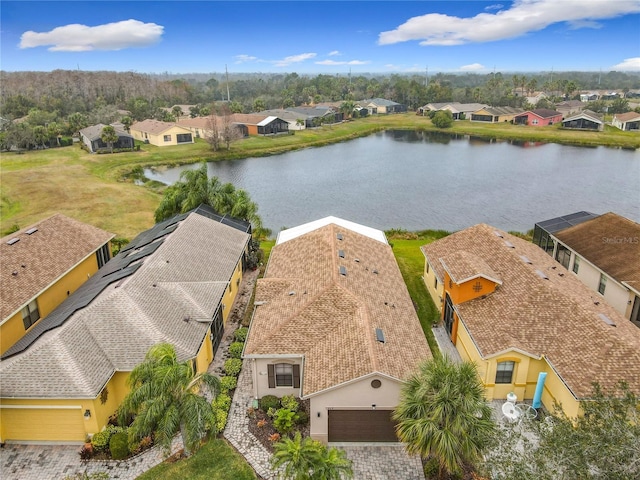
419, 180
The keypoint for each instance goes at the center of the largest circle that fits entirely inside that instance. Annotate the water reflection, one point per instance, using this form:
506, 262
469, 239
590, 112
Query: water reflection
417, 180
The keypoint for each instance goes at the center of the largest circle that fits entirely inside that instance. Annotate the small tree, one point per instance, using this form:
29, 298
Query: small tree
443, 414
213, 133
127, 122
165, 399
109, 136
442, 119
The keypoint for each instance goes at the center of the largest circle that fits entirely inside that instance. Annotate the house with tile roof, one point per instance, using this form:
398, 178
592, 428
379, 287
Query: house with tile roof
259, 124
516, 312
174, 283
584, 120
458, 110
495, 114
160, 134
334, 323
603, 252
629, 121
200, 127
538, 117
92, 138
41, 265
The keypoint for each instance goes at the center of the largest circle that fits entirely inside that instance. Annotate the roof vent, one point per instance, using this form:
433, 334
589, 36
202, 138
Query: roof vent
31, 231
542, 275
13, 240
497, 234
379, 335
291, 293
343, 270
339, 236
375, 271
509, 244
525, 259
606, 319
357, 260
341, 253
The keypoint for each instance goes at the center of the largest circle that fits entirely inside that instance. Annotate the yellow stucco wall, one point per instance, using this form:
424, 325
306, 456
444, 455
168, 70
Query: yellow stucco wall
13, 329
158, 139
231, 292
437, 293
525, 376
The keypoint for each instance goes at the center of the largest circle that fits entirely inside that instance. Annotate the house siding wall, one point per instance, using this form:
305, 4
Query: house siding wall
158, 140
261, 378
359, 395
525, 376
13, 330
437, 294
467, 291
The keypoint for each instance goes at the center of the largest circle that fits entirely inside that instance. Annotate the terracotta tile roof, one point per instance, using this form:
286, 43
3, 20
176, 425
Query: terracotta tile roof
154, 127
186, 276
464, 266
555, 317
625, 117
610, 242
312, 310
197, 122
58, 244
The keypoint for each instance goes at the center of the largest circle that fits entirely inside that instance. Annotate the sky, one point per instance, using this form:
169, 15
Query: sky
314, 37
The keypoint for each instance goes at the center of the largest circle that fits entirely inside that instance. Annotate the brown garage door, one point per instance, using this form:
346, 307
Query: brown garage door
361, 426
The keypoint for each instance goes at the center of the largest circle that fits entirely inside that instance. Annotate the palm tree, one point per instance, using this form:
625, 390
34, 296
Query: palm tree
308, 459
195, 188
166, 398
443, 414
109, 136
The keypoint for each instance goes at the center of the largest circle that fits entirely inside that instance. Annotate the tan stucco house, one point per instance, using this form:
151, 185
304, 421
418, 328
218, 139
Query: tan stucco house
516, 312
173, 283
160, 134
334, 323
602, 251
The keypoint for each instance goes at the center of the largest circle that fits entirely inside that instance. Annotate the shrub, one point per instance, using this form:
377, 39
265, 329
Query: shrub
302, 418
86, 452
269, 401
100, 440
233, 366
284, 421
141, 446
119, 446
271, 412
222, 402
221, 419
290, 403
274, 438
261, 423
235, 349
240, 334
228, 383
442, 119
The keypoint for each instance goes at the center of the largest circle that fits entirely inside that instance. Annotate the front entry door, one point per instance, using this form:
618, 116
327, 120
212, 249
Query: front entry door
448, 315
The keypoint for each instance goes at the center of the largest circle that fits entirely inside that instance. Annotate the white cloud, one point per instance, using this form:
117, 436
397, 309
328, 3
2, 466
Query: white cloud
334, 53
350, 62
82, 38
629, 64
497, 6
286, 61
474, 67
244, 58
524, 16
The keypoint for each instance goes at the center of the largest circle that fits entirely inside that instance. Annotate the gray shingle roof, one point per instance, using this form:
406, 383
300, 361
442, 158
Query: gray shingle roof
186, 276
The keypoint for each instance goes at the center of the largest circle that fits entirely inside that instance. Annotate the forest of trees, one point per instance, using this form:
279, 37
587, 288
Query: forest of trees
63, 101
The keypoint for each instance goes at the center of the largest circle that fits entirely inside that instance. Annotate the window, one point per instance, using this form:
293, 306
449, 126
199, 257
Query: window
603, 284
427, 267
284, 375
504, 373
167, 138
563, 255
435, 283
184, 138
576, 264
30, 314
103, 255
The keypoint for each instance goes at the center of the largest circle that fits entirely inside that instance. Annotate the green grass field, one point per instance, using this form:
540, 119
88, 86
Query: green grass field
216, 460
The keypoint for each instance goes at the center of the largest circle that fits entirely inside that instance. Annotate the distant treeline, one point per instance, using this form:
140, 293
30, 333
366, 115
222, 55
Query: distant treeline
65, 92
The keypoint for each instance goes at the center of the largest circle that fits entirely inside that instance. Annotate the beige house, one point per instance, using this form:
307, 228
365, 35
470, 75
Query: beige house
160, 134
334, 323
173, 283
495, 114
514, 311
200, 127
602, 251
629, 121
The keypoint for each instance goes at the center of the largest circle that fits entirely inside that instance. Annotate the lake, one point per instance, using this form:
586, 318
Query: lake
419, 180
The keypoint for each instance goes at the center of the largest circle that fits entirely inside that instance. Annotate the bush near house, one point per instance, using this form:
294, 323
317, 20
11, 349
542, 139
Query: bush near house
119, 446
228, 383
235, 349
240, 335
233, 366
269, 401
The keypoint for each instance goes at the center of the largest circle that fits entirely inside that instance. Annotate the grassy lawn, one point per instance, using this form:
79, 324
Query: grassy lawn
216, 460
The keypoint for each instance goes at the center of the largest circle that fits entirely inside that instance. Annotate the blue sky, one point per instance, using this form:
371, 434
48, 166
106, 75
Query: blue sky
321, 36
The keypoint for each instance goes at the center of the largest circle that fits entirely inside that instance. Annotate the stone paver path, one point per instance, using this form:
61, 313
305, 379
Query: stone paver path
383, 462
